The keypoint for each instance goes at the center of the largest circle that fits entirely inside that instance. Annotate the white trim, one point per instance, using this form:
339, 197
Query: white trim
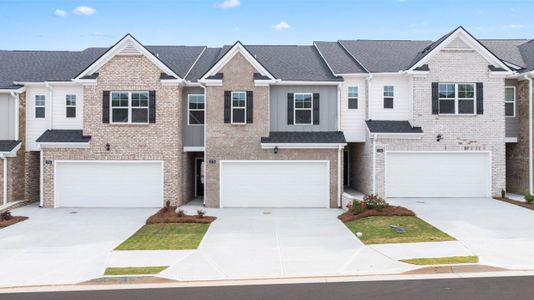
239, 107
237, 48
13, 152
470, 41
302, 145
374, 164
221, 180
196, 174
41, 178
403, 136
339, 179
129, 108
302, 109
514, 102
194, 149
126, 41
18, 91
196, 109
510, 140
490, 166
457, 99
304, 82
4, 192
16, 96
162, 163
48, 145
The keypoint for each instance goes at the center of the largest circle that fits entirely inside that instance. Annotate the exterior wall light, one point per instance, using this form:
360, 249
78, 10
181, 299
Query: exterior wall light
108, 147
439, 137
275, 149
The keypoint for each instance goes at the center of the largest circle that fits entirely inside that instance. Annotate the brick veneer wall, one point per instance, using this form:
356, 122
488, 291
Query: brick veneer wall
159, 141
242, 142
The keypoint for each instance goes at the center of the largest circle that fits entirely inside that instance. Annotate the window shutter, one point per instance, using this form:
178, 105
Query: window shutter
290, 109
152, 107
315, 108
227, 106
480, 98
105, 107
250, 106
435, 98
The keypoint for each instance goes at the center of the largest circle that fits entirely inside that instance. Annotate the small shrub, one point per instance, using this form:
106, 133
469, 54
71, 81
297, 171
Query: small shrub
529, 197
201, 213
374, 201
6, 216
357, 207
180, 213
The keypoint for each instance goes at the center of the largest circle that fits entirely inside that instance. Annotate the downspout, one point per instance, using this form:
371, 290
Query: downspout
530, 165
41, 182
4, 190
205, 124
17, 104
339, 107
340, 148
50, 117
369, 93
374, 163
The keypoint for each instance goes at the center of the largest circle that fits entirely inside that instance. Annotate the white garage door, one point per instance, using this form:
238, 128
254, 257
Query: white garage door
274, 184
438, 174
108, 184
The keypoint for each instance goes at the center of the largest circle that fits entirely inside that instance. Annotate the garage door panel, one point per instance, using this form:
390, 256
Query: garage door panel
427, 174
109, 184
274, 184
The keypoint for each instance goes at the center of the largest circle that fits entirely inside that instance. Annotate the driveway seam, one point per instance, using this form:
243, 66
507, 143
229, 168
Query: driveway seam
278, 247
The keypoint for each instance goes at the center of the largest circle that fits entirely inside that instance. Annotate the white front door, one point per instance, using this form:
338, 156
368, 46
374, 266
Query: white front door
108, 184
438, 174
274, 184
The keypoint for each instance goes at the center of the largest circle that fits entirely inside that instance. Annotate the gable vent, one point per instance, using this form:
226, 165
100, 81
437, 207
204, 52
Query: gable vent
129, 50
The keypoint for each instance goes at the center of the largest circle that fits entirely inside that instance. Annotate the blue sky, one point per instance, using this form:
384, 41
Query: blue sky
77, 24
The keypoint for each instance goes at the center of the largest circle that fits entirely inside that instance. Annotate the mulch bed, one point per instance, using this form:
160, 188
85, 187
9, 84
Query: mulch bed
515, 202
388, 211
169, 215
13, 220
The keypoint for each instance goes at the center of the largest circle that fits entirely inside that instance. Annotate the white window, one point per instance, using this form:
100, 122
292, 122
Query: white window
195, 106
40, 110
456, 98
129, 107
509, 101
353, 97
389, 94
303, 111
239, 107
70, 104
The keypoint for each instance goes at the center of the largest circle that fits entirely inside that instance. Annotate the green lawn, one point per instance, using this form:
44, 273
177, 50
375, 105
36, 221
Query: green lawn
135, 270
376, 230
442, 260
165, 237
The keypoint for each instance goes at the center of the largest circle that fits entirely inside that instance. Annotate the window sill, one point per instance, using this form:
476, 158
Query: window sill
238, 124
130, 124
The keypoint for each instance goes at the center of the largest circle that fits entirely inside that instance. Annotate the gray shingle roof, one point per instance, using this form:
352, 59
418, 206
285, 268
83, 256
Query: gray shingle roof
63, 136
284, 137
8, 145
380, 126
385, 56
204, 63
507, 50
177, 58
338, 58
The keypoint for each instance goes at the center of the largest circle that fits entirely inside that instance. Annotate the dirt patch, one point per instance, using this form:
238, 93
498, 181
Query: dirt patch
13, 220
169, 215
388, 211
515, 202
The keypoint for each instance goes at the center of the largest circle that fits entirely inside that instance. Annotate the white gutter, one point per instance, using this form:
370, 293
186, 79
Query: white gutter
530, 164
17, 104
374, 137
41, 173
4, 190
369, 95
339, 182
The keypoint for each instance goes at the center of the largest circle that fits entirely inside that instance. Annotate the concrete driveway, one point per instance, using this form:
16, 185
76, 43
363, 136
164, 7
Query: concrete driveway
501, 234
264, 243
63, 245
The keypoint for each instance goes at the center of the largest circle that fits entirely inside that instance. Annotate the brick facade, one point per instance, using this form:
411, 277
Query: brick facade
242, 142
159, 141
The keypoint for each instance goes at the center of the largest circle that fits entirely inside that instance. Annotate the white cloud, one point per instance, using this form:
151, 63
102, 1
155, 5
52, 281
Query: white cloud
513, 26
60, 13
281, 26
229, 4
84, 10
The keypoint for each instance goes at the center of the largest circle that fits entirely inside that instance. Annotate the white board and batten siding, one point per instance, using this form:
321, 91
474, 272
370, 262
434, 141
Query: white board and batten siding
353, 120
274, 183
438, 174
108, 183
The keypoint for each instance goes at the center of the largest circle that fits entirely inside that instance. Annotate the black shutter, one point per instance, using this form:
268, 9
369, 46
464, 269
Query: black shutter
435, 98
480, 98
227, 106
315, 108
105, 107
250, 106
152, 107
290, 109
